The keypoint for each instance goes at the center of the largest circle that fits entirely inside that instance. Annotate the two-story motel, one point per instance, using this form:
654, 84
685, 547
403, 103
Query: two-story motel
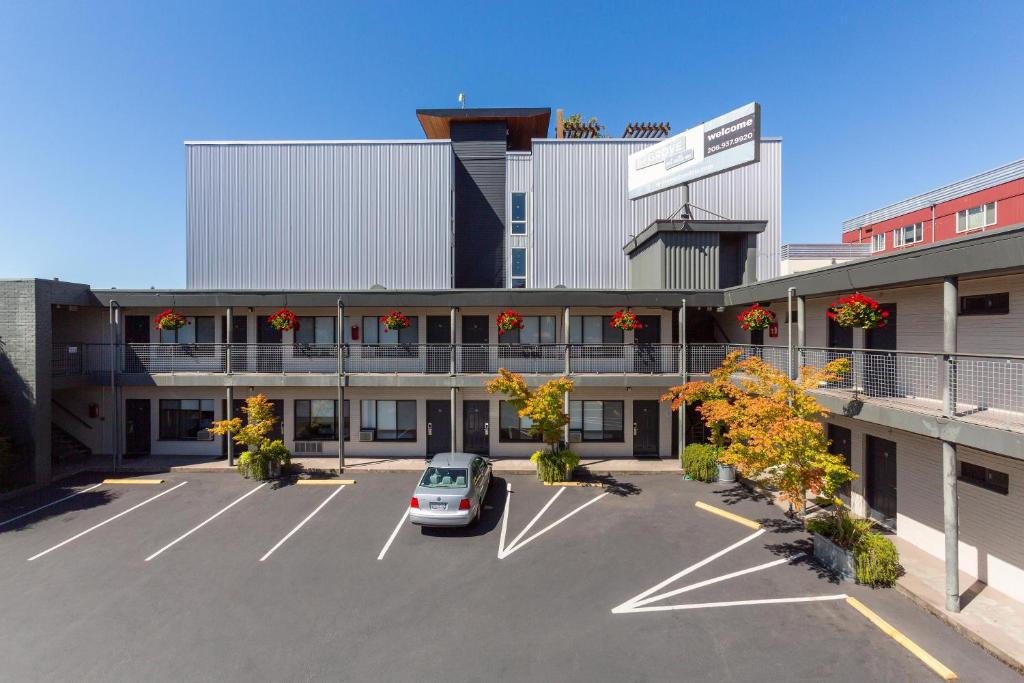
489, 214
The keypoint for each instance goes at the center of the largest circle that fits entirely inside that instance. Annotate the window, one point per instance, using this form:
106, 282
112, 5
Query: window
389, 420
976, 217
593, 329
512, 427
197, 330
374, 332
518, 213
183, 419
985, 304
537, 329
984, 477
316, 330
518, 268
597, 420
908, 235
445, 478
878, 242
315, 420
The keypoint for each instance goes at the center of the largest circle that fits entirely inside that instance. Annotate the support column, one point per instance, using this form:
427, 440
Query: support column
451, 348
789, 332
454, 438
801, 331
950, 504
339, 425
568, 352
115, 400
684, 374
565, 407
230, 398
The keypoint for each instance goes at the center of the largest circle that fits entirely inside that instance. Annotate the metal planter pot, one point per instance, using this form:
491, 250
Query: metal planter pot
834, 558
726, 473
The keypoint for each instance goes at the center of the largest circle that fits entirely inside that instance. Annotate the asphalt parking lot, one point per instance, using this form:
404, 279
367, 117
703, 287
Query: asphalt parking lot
213, 577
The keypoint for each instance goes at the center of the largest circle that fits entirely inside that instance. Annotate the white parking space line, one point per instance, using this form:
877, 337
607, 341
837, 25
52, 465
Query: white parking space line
534, 520
717, 579
549, 527
303, 522
106, 521
733, 603
689, 570
201, 525
43, 507
394, 533
504, 520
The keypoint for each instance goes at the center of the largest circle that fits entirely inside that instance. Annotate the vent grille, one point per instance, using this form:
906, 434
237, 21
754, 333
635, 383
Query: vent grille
308, 447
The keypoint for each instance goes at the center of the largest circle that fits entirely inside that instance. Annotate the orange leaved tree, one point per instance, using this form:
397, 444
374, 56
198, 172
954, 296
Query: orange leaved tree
768, 425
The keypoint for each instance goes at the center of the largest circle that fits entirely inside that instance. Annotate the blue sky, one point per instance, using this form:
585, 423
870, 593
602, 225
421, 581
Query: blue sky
876, 102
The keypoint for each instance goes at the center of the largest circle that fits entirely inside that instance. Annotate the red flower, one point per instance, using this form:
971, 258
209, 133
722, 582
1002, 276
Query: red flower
509, 320
756, 317
169, 320
395, 320
626, 320
857, 310
283, 320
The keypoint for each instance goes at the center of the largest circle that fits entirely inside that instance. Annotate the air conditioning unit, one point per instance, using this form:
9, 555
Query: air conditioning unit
309, 447
204, 435
366, 435
575, 436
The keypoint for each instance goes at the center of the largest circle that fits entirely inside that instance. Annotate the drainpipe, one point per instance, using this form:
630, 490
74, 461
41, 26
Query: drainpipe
340, 423
452, 312
681, 413
114, 310
568, 370
451, 417
229, 393
950, 512
789, 331
801, 331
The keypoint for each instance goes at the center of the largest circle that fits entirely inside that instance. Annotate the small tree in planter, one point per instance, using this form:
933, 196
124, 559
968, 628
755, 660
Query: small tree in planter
283, 321
626, 321
263, 458
769, 426
170, 321
545, 408
509, 320
394, 320
857, 310
756, 318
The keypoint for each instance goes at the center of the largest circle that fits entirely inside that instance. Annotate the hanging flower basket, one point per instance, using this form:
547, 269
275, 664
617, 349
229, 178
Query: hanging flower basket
626, 321
170, 321
756, 318
509, 320
283, 321
857, 310
395, 320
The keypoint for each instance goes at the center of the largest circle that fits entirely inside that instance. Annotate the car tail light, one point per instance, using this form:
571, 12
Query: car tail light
464, 504
414, 503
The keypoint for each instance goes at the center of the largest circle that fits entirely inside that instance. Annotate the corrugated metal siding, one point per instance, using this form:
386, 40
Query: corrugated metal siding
519, 176
818, 251
582, 215
319, 215
692, 260
479, 183
976, 183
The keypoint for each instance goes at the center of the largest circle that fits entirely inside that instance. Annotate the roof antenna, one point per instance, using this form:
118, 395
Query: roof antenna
462, 99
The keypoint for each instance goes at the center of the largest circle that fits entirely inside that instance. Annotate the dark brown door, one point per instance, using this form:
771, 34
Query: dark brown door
645, 428
137, 421
475, 427
881, 371
439, 427
136, 331
475, 335
647, 349
439, 330
268, 356
842, 444
880, 482
239, 335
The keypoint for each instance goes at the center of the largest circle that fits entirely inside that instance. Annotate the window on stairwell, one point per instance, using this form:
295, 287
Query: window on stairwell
518, 268
518, 213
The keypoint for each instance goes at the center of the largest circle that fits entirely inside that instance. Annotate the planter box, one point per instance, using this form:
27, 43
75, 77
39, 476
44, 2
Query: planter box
834, 558
726, 474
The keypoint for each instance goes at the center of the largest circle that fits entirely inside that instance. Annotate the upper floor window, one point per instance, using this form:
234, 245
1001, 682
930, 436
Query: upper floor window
197, 330
518, 268
537, 329
976, 217
518, 213
593, 329
908, 235
878, 242
316, 330
374, 332
985, 304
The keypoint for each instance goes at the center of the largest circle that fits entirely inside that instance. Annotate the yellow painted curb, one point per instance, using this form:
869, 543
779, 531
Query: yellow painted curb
886, 628
325, 482
133, 481
586, 484
728, 515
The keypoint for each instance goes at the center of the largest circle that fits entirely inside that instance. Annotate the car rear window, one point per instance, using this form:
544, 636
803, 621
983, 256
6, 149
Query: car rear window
445, 478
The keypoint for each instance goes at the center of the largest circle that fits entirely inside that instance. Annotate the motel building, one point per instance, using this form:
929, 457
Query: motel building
488, 213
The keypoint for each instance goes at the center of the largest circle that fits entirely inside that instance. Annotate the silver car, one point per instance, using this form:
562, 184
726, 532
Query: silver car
451, 491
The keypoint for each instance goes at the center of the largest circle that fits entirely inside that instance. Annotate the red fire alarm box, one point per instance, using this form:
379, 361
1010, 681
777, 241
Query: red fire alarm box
94, 410
773, 330
355, 333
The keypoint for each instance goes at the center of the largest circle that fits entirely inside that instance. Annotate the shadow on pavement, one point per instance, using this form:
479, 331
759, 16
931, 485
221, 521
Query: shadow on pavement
82, 501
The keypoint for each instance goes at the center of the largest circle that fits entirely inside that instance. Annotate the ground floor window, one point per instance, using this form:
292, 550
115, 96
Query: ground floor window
597, 420
986, 478
389, 420
316, 420
513, 427
182, 419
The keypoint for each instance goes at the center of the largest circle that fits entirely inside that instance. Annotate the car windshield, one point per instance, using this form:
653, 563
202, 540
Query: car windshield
445, 478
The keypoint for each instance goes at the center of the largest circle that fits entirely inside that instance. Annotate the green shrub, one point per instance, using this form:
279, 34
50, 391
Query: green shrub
877, 560
257, 464
700, 461
840, 528
552, 467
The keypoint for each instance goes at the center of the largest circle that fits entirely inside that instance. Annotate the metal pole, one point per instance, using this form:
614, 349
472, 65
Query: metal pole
568, 353
229, 320
950, 306
684, 373
451, 417
340, 422
801, 330
230, 397
451, 347
789, 331
115, 441
950, 506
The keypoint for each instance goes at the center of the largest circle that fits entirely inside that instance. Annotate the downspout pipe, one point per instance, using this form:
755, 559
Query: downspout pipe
115, 438
340, 421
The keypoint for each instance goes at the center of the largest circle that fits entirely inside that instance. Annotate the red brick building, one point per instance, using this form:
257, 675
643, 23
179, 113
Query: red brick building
987, 201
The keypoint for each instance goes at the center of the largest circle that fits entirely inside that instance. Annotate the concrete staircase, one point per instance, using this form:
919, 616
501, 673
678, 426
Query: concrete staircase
65, 448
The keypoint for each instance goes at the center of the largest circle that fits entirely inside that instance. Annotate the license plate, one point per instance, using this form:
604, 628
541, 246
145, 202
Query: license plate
439, 506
